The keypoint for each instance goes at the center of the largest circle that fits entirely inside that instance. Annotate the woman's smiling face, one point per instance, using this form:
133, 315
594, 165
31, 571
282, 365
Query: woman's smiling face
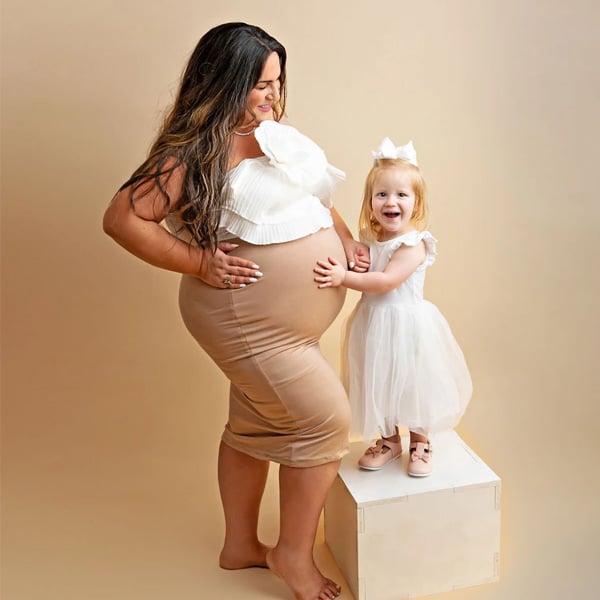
265, 93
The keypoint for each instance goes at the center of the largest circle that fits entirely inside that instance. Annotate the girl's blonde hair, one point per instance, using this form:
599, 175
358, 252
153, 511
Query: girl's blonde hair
367, 223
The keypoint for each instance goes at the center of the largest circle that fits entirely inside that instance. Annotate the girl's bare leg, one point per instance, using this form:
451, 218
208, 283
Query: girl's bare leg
242, 482
302, 496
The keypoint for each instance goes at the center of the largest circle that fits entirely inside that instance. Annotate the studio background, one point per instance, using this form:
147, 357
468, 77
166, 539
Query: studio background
112, 414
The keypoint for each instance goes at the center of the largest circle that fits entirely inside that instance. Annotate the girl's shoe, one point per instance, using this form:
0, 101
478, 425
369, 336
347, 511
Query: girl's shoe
419, 464
379, 455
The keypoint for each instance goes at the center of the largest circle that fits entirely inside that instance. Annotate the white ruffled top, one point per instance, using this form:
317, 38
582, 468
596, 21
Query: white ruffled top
411, 290
281, 196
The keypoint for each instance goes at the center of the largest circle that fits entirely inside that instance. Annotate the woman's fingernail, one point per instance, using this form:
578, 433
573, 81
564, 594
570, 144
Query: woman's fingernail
351, 265
255, 267
253, 280
235, 245
258, 274
242, 285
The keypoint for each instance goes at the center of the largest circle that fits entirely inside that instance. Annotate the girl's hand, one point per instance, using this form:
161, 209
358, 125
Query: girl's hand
358, 256
331, 273
224, 271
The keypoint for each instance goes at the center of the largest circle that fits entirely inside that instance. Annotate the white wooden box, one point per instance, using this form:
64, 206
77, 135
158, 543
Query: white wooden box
396, 537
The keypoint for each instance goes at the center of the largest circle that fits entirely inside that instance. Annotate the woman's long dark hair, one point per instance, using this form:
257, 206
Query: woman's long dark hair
211, 101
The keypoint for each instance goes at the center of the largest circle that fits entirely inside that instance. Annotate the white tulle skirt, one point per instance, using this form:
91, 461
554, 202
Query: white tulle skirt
403, 367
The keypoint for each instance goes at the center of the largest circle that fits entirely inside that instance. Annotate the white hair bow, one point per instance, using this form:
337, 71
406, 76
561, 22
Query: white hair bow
388, 150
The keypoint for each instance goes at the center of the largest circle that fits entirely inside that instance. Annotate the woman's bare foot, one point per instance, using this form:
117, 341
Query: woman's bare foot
244, 557
305, 581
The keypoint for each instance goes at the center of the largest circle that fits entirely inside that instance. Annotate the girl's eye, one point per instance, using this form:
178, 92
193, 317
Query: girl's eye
381, 194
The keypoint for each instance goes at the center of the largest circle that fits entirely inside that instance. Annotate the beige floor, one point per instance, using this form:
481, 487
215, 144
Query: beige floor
144, 525
141, 520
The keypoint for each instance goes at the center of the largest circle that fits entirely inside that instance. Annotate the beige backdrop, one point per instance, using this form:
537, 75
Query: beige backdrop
111, 413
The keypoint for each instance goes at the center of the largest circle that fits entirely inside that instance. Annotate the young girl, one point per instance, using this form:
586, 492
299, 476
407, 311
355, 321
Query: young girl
403, 366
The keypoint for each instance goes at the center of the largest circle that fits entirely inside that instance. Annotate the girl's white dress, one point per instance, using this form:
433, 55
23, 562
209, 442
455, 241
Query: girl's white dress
403, 365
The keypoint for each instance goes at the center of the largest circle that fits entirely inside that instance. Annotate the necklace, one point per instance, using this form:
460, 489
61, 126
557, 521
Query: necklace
244, 134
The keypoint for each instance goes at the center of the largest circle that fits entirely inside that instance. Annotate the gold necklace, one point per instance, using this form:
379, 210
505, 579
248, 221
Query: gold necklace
244, 134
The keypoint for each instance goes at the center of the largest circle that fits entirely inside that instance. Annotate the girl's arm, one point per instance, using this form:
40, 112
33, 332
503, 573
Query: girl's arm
402, 265
137, 228
357, 254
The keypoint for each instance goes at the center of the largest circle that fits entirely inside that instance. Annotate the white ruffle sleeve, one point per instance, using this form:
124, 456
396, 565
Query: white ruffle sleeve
412, 239
283, 195
296, 155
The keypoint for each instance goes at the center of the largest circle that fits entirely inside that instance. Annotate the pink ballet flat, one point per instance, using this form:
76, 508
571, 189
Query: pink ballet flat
419, 464
379, 455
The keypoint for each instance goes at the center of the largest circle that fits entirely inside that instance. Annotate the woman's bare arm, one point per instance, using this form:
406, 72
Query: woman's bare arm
137, 227
357, 253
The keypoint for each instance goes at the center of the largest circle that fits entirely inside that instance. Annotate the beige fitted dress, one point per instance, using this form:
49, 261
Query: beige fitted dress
286, 402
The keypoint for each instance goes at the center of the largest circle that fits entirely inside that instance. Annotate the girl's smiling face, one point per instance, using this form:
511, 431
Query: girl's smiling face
393, 202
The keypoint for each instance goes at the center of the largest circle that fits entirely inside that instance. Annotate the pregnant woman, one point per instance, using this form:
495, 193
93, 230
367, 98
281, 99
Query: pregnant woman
246, 200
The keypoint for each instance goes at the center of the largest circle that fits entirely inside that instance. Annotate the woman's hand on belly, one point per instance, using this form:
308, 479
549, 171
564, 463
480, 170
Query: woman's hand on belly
358, 256
222, 270
357, 253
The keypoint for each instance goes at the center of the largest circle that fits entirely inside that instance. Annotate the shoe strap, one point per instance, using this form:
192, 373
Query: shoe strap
375, 450
379, 447
420, 451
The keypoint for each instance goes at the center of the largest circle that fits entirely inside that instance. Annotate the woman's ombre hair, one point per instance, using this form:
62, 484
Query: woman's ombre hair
211, 102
